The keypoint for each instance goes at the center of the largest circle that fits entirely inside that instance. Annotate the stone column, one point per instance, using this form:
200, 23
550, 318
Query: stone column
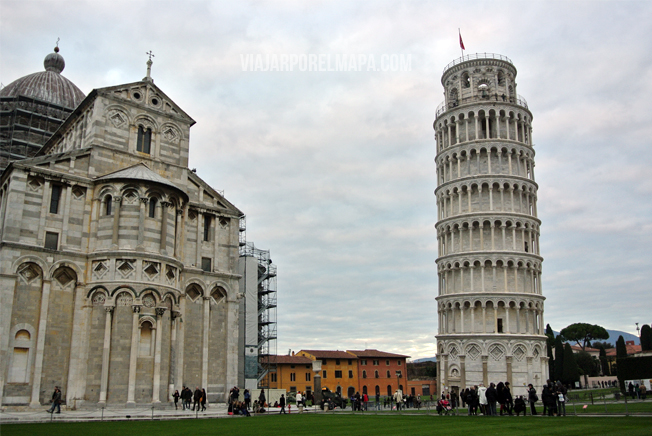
508, 361
180, 342
200, 237
78, 344
116, 221
172, 379
485, 371
462, 371
67, 192
7, 289
233, 329
106, 355
40, 345
205, 337
144, 201
133, 357
178, 235
164, 227
156, 394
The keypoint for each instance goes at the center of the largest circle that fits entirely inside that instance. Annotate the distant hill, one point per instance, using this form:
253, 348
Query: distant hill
613, 337
425, 359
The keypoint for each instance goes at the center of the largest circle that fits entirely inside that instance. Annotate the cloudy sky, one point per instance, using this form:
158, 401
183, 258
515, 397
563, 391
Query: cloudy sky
335, 170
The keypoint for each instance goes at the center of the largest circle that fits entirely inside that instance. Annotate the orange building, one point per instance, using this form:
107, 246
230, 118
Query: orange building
293, 373
380, 372
339, 370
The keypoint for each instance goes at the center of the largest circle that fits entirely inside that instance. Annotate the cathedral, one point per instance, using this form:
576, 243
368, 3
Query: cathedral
490, 302
118, 264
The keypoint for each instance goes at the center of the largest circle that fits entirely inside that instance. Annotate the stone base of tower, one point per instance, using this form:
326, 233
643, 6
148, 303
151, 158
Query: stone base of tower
468, 360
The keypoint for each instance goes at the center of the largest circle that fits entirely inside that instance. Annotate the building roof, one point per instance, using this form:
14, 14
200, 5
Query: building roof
375, 353
139, 172
48, 86
285, 359
329, 354
631, 349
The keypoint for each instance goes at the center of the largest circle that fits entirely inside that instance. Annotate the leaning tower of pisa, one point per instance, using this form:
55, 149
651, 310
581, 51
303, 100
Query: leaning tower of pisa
490, 304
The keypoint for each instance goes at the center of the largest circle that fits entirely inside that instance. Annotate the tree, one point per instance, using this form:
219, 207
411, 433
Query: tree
621, 351
621, 348
604, 364
571, 372
559, 358
587, 365
646, 338
550, 343
606, 345
583, 333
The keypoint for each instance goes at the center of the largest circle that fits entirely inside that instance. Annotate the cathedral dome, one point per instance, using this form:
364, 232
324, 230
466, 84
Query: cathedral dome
48, 85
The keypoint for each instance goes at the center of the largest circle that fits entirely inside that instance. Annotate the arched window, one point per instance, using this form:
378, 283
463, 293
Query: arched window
364, 389
152, 207
376, 374
19, 370
108, 204
389, 375
466, 80
377, 390
364, 374
389, 390
144, 142
146, 337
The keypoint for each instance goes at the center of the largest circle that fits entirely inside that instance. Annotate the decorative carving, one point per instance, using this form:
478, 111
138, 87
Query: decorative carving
160, 311
98, 299
117, 118
109, 309
124, 299
496, 351
29, 272
135, 308
149, 301
519, 352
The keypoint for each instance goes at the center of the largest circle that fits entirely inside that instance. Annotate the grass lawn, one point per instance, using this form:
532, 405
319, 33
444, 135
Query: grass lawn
347, 425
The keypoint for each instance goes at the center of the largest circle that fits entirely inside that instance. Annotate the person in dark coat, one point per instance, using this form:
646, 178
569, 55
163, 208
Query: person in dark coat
176, 399
509, 401
549, 400
492, 397
500, 396
282, 404
532, 398
203, 400
56, 400
261, 398
197, 399
519, 406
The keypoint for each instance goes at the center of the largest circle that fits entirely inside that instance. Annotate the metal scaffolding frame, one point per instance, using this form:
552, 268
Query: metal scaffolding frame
266, 313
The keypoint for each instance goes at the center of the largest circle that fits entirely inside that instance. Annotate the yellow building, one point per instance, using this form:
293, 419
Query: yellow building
293, 373
339, 370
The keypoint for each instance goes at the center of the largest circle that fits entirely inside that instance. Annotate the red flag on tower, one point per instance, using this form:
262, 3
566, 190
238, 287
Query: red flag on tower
461, 42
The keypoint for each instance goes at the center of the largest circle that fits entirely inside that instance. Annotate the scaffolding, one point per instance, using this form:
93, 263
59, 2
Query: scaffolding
25, 125
265, 300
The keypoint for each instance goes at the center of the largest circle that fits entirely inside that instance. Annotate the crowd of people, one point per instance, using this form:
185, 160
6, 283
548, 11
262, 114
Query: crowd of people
498, 400
197, 399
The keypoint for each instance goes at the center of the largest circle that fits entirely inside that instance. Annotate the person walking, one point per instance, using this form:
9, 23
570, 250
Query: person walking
247, 399
482, 399
281, 403
492, 397
261, 398
176, 399
197, 399
398, 397
203, 400
56, 400
561, 399
532, 398
509, 400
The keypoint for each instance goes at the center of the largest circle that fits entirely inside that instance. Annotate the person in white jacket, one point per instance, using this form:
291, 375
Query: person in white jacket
482, 399
398, 397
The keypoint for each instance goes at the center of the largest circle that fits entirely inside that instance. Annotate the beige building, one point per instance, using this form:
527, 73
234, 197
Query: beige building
490, 302
118, 277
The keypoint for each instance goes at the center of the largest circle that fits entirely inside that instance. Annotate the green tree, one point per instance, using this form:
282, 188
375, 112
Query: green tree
621, 348
587, 365
606, 345
559, 359
604, 364
571, 372
621, 351
583, 333
550, 343
646, 337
